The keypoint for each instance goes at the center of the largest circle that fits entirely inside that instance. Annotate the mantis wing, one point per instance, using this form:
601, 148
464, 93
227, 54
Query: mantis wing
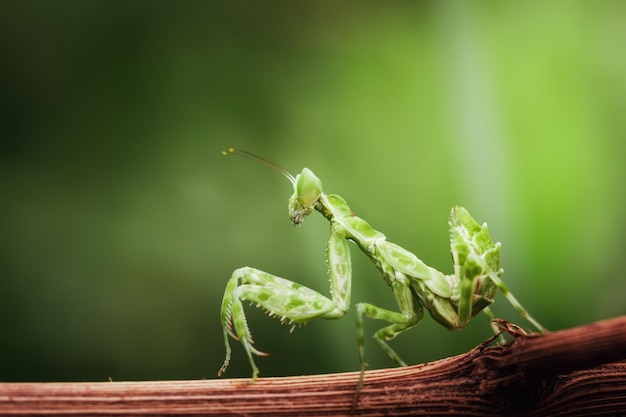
404, 261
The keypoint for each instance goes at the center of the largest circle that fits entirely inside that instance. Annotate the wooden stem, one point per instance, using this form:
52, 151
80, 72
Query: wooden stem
580, 371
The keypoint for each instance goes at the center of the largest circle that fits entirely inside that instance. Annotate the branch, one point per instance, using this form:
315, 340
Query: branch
570, 372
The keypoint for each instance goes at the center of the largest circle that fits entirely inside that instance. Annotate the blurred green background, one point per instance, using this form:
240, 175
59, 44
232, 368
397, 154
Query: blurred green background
122, 222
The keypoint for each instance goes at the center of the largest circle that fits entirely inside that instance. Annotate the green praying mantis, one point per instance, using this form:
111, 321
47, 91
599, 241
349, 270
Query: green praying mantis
452, 300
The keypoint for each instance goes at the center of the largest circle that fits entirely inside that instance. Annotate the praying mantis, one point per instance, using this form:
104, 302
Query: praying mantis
451, 300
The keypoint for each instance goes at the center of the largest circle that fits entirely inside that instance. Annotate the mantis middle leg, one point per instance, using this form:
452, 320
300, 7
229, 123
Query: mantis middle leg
291, 302
410, 314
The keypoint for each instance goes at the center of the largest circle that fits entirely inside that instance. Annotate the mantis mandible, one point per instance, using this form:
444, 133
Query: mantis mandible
452, 300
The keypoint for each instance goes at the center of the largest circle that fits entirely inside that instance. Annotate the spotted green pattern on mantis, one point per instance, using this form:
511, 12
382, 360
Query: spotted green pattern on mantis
452, 300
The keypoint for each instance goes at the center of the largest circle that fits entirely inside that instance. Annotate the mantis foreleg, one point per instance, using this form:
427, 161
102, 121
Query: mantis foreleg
291, 302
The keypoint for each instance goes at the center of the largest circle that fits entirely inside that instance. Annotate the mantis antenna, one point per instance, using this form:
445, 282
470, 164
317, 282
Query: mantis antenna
262, 161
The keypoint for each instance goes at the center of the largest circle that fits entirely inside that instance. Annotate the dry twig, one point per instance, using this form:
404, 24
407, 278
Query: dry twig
570, 372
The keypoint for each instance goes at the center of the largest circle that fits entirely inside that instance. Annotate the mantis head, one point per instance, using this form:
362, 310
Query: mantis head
307, 188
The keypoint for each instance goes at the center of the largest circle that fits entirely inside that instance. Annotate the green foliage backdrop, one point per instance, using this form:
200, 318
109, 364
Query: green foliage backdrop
121, 221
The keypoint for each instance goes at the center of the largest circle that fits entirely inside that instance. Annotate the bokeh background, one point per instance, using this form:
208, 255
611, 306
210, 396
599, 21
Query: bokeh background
122, 222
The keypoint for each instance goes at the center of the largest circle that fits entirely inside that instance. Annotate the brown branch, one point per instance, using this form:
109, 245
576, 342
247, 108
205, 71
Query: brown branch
571, 372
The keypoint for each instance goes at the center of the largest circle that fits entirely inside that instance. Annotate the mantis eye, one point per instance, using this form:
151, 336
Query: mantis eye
308, 188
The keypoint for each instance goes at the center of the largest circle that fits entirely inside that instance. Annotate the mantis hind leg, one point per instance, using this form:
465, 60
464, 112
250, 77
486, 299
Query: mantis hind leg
498, 332
292, 303
516, 304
